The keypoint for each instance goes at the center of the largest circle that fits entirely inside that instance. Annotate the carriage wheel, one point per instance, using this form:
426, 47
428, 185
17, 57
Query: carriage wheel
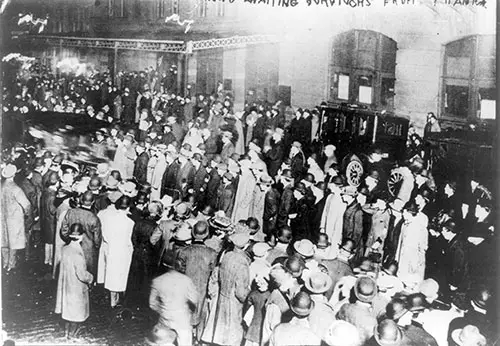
394, 183
354, 172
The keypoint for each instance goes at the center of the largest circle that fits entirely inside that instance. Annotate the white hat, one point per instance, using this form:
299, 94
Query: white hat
9, 171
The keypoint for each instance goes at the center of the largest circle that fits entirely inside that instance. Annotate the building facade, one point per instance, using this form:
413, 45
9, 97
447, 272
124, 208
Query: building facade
402, 56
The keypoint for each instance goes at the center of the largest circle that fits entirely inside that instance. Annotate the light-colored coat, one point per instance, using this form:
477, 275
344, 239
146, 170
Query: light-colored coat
124, 161
244, 196
157, 176
15, 205
72, 300
410, 254
332, 221
116, 250
61, 211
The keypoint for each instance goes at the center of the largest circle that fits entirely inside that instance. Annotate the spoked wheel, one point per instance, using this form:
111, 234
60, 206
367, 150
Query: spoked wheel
354, 173
394, 183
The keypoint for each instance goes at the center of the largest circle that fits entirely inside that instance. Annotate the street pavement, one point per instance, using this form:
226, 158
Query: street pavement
28, 302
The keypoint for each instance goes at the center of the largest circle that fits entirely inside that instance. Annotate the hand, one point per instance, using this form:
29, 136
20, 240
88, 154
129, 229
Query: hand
292, 216
453, 288
322, 230
37, 218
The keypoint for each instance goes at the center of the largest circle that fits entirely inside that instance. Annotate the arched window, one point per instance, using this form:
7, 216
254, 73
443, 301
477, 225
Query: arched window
363, 69
468, 88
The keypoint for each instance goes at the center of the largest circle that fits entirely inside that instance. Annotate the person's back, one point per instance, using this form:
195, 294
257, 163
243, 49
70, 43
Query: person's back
171, 295
293, 333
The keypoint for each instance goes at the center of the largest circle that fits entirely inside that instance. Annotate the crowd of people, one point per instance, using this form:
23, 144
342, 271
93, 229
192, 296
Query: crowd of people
239, 228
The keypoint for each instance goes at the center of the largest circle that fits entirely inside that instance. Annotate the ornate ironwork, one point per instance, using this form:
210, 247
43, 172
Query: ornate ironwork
232, 41
150, 45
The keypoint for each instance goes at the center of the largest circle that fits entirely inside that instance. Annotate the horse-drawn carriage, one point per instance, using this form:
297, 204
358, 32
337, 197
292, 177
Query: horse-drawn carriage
357, 133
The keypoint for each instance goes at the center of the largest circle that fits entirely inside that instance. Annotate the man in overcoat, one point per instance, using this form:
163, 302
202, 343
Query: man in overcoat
92, 230
197, 261
225, 325
353, 218
16, 208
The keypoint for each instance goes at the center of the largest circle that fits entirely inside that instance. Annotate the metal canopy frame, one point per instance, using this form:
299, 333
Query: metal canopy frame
165, 46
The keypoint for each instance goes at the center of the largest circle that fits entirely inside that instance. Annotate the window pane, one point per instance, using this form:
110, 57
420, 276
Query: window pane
365, 89
486, 68
457, 101
387, 93
460, 48
343, 87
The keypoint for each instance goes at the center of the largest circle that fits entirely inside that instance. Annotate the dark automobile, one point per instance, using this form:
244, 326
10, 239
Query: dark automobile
356, 132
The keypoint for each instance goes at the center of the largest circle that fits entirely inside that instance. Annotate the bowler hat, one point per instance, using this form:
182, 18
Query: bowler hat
318, 283
417, 302
481, 296
295, 265
396, 309
302, 304
200, 230
468, 336
365, 289
387, 333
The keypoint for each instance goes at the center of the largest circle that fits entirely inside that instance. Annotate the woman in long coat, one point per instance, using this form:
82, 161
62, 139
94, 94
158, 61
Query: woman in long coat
72, 300
244, 193
15, 207
116, 248
412, 247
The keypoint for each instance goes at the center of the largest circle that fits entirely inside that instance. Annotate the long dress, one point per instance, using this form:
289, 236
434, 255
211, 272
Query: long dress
410, 254
116, 249
244, 196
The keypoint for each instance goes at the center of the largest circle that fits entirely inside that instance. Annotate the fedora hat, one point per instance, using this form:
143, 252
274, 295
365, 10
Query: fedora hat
220, 222
260, 249
182, 210
128, 188
365, 289
302, 304
417, 302
318, 283
9, 171
387, 333
240, 239
468, 336
342, 333
304, 247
